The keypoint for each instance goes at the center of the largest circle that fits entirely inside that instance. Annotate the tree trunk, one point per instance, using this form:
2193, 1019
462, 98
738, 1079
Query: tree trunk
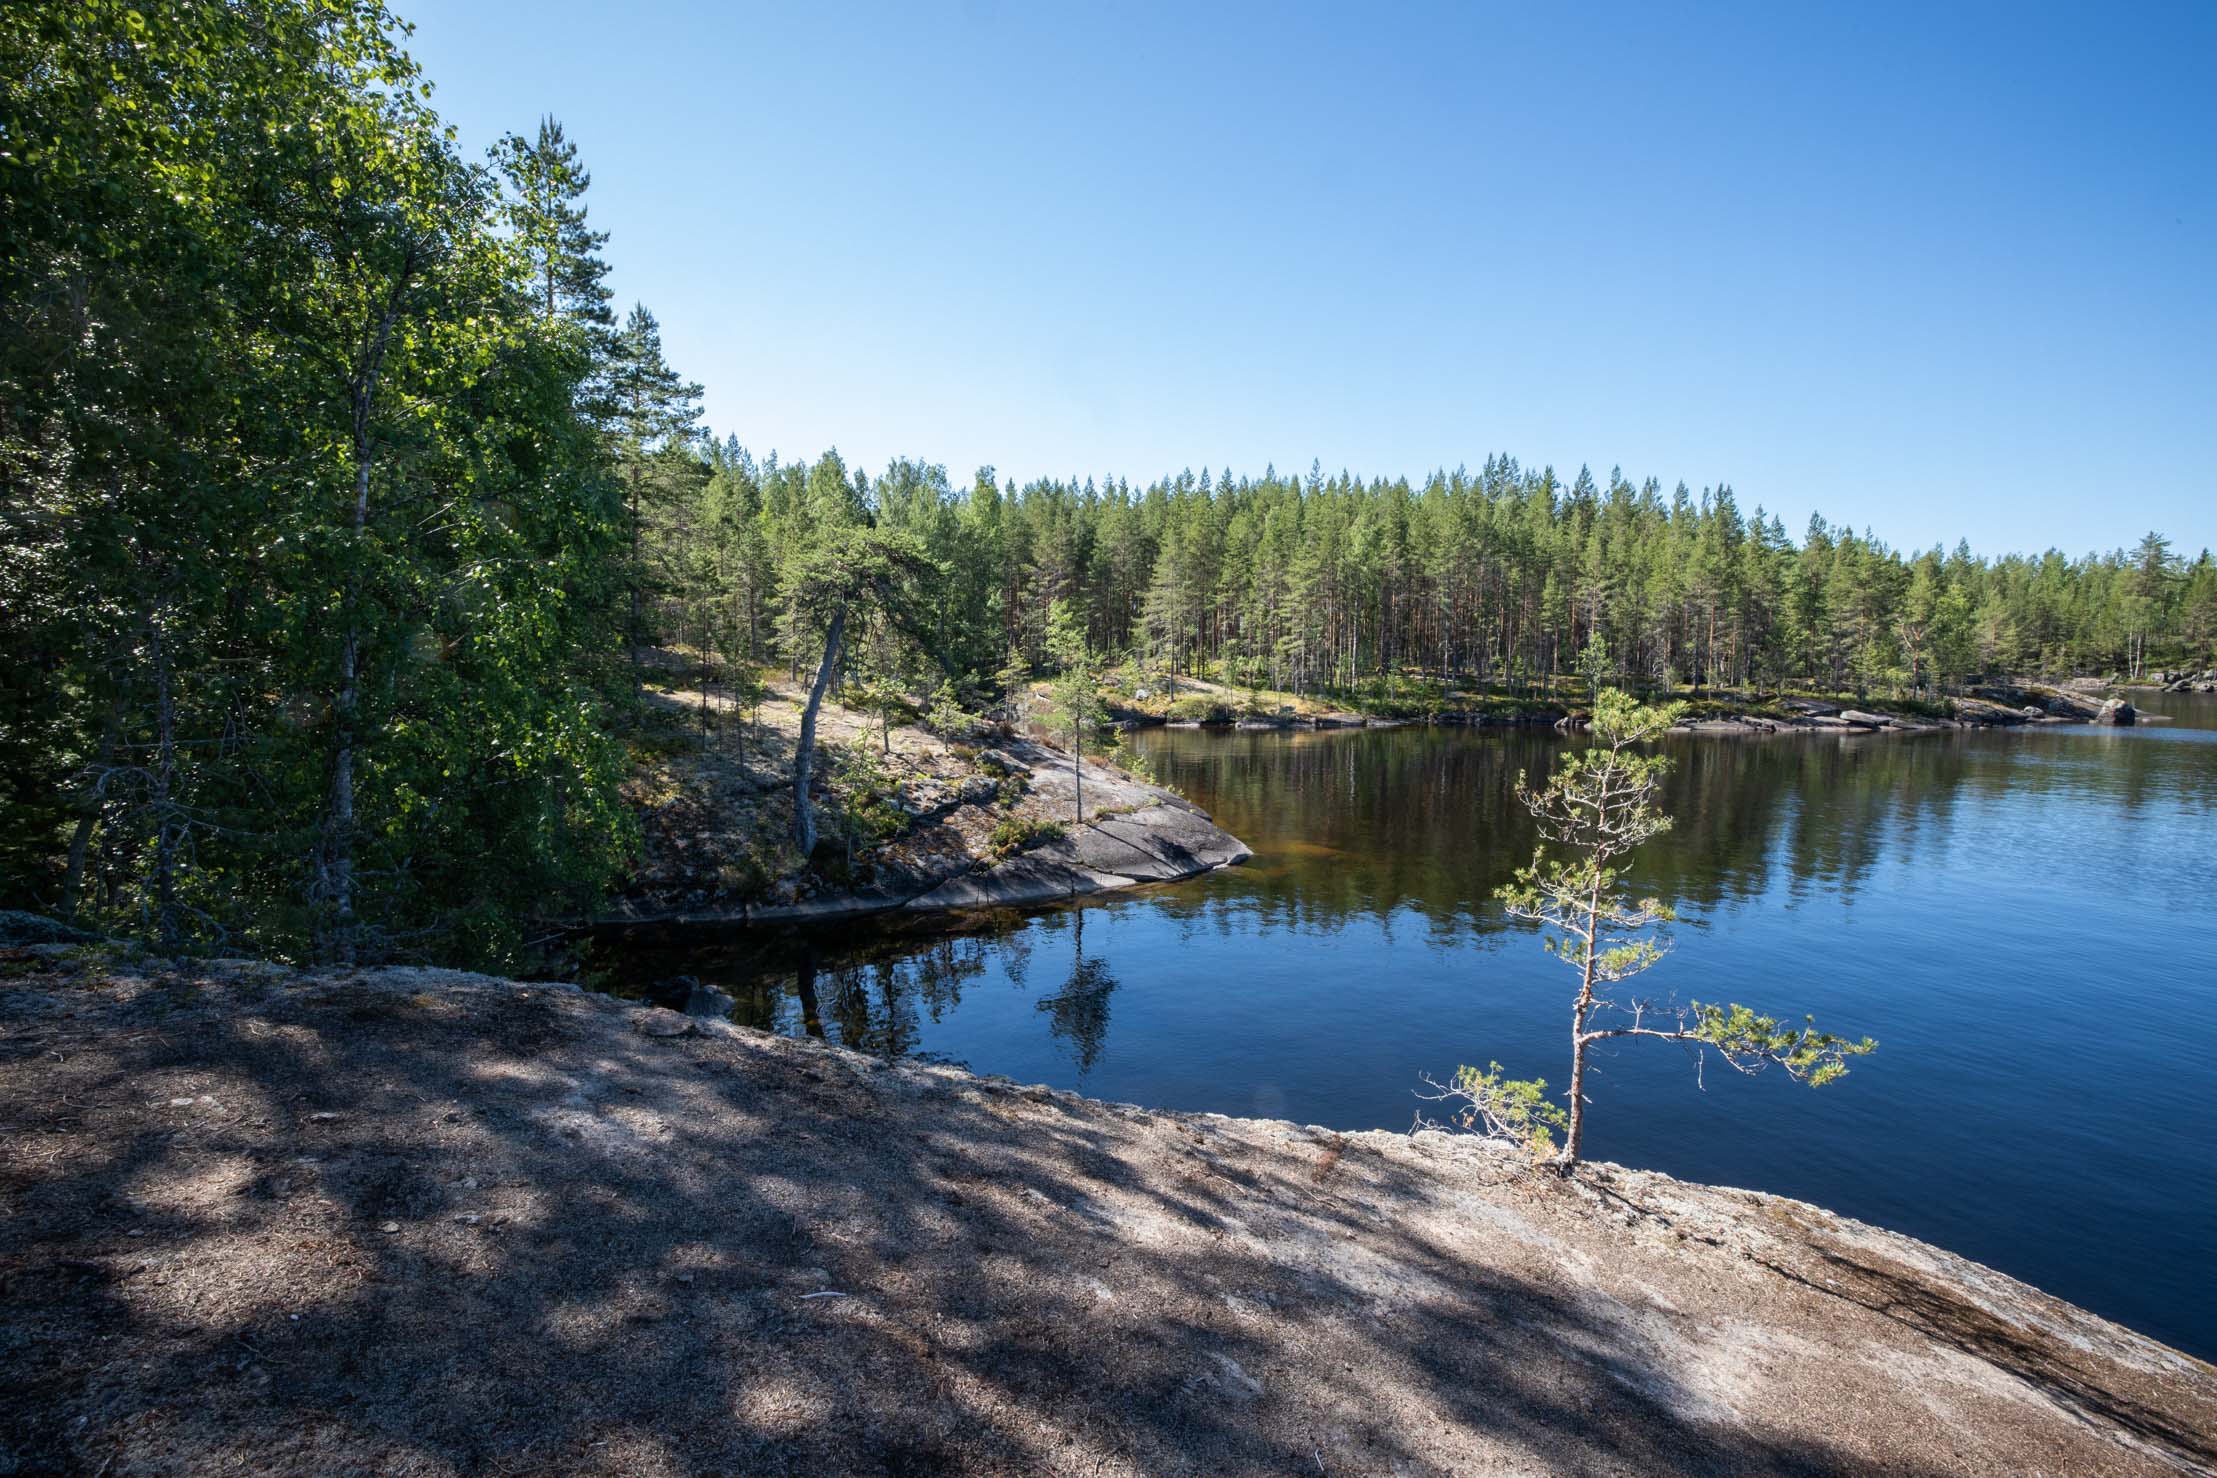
165, 819
804, 757
336, 882
638, 678
338, 878
339, 822
1574, 1138
88, 807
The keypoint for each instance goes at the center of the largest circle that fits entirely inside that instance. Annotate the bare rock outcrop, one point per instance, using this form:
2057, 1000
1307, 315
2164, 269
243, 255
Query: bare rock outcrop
426, 1222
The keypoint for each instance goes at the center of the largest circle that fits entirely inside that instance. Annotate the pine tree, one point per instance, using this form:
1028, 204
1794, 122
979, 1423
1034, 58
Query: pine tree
546, 213
1074, 695
1598, 807
651, 410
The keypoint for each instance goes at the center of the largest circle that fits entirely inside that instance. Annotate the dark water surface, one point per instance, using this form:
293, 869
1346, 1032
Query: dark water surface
2022, 920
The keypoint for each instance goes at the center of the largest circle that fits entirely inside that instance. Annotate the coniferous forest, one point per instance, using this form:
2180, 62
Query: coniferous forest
340, 504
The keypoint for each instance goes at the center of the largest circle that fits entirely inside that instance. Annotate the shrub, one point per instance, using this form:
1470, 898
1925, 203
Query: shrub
1198, 708
1020, 834
950, 715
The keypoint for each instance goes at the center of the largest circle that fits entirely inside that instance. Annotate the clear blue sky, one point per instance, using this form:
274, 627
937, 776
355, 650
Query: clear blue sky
1940, 269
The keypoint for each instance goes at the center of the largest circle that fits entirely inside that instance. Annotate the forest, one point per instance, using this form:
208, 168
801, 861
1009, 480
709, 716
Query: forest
340, 508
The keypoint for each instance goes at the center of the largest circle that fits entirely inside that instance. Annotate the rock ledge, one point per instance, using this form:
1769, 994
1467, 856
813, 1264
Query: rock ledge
419, 1221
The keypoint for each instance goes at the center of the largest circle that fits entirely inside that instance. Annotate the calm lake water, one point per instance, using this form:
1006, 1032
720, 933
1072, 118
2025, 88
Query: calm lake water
2022, 920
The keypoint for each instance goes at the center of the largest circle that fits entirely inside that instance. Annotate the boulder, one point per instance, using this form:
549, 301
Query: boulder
1099, 850
17, 927
2117, 713
708, 1000
999, 763
1871, 720
1180, 835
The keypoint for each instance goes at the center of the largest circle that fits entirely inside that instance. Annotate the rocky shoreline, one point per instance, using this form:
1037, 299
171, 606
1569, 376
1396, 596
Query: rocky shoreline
426, 1222
1988, 706
2185, 682
953, 853
1134, 833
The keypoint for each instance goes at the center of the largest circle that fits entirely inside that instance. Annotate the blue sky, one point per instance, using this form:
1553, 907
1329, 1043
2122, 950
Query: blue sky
1942, 270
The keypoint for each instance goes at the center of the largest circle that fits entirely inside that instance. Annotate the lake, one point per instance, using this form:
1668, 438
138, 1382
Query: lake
2020, 918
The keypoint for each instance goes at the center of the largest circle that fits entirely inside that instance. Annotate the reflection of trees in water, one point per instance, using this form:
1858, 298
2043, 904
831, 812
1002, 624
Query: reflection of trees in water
1364, 825
879, 1004
879, 998
1371, 823
804, 986
1078, 1013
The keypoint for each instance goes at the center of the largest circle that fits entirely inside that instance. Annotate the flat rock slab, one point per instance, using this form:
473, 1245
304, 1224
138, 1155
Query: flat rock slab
1180, 836
1033, 877
1135, 833
421, 1222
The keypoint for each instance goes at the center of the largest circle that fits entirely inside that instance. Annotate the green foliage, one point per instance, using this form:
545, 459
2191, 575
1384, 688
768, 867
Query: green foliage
1593, 661
1598, 806
867, 796
334, 497
299, 495
1751, 1042
950, 716
1074, 693
1514, 1109
883, 698
1013, 834
1014, 681
1198, 708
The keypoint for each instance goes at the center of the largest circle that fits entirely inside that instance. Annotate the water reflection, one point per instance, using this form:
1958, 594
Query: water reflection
2010, 914
1078, 1013
1416, 828
1349, 825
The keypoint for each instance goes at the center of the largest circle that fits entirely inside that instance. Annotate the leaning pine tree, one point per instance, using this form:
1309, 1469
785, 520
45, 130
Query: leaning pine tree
1598, 806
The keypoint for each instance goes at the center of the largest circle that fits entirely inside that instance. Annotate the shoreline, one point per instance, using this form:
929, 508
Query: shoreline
252, 1208
1136, 833
2013, 703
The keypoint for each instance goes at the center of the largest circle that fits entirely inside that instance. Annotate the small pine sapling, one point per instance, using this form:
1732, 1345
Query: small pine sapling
1598, 806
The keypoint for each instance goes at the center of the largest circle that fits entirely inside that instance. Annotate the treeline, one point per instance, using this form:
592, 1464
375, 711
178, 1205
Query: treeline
1506, 576
338, 510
